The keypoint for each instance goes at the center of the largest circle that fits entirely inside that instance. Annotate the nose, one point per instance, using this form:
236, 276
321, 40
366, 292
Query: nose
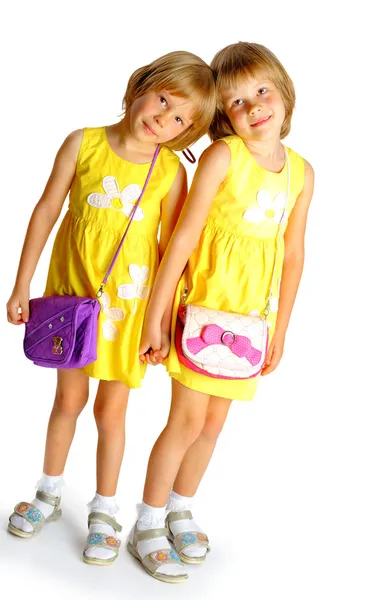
162, 119
159, 120
255, 108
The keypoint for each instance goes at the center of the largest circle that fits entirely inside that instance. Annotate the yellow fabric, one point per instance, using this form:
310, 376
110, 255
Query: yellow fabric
89, 236
232, 265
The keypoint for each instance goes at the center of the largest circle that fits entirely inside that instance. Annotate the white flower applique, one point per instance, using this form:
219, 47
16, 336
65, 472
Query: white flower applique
116, 200
268, 209
137, 289
109, 330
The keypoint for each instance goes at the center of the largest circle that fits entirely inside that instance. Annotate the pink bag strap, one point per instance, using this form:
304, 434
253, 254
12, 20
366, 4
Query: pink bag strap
131, 217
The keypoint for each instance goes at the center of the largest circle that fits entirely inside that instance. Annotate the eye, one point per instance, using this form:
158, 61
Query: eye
179, 120
163, 101
238, 102
262, 91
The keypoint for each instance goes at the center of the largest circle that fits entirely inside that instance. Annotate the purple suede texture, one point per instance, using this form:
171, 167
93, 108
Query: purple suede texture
73, 320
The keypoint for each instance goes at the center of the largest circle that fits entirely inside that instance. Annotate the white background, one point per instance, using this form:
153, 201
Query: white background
292, 500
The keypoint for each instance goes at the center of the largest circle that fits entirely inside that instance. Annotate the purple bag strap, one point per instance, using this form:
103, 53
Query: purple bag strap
104, 281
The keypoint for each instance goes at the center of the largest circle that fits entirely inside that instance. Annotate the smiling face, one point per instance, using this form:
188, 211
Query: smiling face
255, 108
159, 117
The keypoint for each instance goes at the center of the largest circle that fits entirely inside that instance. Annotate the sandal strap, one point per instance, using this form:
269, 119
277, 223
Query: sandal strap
150, 534
99, 517
48, 498
179, 515
154, 560
97, 540
190, 538
30, 513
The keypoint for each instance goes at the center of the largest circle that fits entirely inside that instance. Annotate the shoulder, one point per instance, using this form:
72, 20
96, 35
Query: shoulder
169, 156
181, 174
301, 166
309, 171
217, 154
214, 162
308, 183
70, 147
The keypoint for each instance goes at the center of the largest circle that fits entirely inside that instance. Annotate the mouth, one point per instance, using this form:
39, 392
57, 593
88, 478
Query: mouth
149, 129
261, 121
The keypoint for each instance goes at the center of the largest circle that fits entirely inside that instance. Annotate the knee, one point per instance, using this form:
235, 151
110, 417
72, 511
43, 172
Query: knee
187, 428
107, 418
69, 403
212, 429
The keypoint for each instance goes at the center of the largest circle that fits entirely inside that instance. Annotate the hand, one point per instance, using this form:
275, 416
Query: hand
18, 306
157, 357
150, 340
274, 354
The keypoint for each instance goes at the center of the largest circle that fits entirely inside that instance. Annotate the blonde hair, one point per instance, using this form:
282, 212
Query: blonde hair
239, 62
182, 74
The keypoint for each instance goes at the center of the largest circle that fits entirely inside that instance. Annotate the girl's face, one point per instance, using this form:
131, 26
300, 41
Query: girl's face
159, 117
255, 109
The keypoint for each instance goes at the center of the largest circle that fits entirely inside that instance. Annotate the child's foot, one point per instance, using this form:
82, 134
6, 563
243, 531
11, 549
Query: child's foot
102, 544
188, 538
51, 486
180, 521
148, 542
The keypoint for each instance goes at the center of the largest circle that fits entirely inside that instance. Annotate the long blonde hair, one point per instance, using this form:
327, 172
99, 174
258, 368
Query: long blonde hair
239, 62
182, 74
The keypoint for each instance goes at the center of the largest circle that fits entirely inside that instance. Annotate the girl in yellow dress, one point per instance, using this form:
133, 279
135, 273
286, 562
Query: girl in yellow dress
247, 190
170, 103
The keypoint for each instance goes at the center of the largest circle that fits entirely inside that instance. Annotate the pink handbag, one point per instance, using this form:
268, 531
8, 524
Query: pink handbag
221, 344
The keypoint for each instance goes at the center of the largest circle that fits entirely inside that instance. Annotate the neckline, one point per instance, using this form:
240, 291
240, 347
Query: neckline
260, 166
129, 162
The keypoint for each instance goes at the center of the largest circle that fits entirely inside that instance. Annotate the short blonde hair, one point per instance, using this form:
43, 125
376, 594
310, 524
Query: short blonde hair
239, 62
182, 74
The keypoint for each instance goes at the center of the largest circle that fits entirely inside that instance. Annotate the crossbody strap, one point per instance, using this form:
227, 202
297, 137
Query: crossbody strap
279, 238
131, 217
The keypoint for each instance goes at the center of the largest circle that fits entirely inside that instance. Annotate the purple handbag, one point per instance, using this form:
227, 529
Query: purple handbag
62, 330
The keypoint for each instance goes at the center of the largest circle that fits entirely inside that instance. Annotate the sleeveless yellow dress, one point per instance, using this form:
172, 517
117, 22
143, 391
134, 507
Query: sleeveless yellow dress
103, 193
231, 267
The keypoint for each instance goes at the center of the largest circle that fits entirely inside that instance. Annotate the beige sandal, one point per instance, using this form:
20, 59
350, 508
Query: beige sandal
102, 540
152, 561
33, 515
187, 539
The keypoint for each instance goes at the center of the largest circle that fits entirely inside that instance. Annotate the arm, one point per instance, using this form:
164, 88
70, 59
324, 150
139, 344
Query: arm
210, 173
170, 211
171, 208
292, 269
41, 224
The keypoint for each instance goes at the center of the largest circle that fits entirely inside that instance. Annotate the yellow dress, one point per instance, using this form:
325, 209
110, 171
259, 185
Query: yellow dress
103, 193
232, 265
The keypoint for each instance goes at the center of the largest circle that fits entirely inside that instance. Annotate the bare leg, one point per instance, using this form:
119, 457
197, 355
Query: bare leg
198, 456
191, 472
71, 397
110, 412
185, 423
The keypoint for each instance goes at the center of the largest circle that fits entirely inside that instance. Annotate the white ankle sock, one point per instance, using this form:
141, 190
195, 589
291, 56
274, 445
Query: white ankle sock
108, 506
150, 517
49, 484
179, 503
